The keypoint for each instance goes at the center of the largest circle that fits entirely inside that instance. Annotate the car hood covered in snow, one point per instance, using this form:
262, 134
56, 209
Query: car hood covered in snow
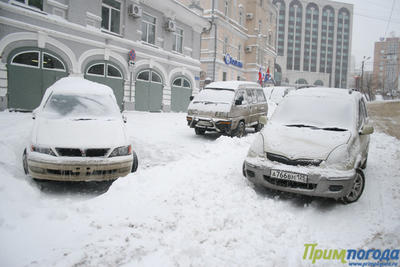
84, 133
305, 143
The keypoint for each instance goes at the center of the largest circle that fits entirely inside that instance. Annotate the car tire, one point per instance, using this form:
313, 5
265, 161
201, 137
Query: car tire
135, 162
356, 189
258, 127
199, 131
240, 130
25, 162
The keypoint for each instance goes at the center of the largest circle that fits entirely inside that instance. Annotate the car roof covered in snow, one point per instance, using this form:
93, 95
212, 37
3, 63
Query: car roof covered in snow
232, 85
78, 85
328, 92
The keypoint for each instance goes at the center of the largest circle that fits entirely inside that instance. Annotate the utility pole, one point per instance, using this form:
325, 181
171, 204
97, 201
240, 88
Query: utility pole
215, 39
362, 74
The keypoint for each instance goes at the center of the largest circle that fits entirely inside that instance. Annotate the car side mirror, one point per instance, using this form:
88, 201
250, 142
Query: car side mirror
191, 98
263, 120
34, 113
239, 101
124, 118
367, 129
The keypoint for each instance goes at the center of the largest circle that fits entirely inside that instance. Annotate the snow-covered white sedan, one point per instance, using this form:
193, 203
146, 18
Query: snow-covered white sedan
316, 144
78, 135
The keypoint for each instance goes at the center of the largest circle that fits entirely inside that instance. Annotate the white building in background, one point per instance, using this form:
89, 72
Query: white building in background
314, 42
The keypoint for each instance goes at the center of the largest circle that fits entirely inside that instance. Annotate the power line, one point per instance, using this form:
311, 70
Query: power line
376, 18
390, 17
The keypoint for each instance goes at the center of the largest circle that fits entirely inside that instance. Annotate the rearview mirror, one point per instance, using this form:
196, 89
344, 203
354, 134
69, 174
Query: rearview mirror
263, 120
124, 118
367, 129
191, 98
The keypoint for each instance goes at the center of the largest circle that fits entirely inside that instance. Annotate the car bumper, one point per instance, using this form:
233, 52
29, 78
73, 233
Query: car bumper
210, 124
322, 182
78, 169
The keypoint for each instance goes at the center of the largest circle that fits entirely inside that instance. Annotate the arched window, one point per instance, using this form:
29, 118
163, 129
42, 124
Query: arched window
52, 62
311, 38
342, 47
27, 58
182, 82
226, 7
327, 34
144, 75
319, 83
114, 72
301, 81
294, 35
281, 25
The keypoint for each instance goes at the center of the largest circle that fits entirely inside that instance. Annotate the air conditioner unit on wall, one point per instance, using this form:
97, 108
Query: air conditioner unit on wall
249, 16
248, 49
135, 10
170, 25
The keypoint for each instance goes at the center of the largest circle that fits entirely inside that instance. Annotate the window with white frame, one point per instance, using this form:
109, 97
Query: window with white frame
225, 48
239, 52
148, 29
33, 3
259, 25
241, 16
111, 16
226, 7
178, 40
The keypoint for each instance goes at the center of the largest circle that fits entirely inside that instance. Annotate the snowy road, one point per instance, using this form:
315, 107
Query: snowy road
188, 205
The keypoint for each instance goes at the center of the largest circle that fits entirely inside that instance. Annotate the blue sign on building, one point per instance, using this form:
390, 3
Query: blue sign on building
230, 60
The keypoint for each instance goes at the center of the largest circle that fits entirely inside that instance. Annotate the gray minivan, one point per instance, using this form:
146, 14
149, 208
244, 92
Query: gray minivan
227, 108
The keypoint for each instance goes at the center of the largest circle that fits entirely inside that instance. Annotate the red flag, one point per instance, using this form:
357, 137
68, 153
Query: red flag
259, 76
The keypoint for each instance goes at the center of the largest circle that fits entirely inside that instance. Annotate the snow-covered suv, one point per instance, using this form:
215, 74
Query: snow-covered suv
78, 135
316, 143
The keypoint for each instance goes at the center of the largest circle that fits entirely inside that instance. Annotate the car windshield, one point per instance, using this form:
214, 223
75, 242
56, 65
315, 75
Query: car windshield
315, 112
80, 107
210, 96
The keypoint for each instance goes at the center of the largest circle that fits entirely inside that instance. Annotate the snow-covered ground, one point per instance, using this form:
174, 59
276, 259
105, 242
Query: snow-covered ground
188, 205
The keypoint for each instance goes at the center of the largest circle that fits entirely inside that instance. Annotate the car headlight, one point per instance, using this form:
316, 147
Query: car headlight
257, 147
192, 112
221, 114
340, 158
121, 151
43, 150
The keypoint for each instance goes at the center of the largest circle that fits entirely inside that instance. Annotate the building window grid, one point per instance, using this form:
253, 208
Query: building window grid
178, 40
111, 16
149, 28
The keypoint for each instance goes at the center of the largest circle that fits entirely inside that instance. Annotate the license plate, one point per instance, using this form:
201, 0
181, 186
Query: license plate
290, 176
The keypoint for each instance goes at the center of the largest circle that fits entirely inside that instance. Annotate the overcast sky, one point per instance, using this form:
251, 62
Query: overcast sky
370, 22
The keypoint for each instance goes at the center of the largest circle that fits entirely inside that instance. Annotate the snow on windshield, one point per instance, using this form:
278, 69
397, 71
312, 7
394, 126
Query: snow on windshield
215, 96
315, 111
80, 106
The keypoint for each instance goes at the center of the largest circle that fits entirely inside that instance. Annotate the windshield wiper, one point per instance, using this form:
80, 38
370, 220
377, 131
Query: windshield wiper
334, 129
301, 126
83, 119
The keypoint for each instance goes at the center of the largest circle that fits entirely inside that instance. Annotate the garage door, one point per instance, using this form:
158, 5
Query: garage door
105, 72
148, 91
30, 72
181, 91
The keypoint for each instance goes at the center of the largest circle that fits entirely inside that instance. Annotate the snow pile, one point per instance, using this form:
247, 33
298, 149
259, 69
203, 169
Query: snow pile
188, 205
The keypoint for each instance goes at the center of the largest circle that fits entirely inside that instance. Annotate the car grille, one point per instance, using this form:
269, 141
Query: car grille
293, 162
291, 184
76, 152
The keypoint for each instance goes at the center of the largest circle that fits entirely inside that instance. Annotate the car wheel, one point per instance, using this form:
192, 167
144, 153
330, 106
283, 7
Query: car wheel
25, 162
258, 127
199, 131
356, 189
135, 163
241, 129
